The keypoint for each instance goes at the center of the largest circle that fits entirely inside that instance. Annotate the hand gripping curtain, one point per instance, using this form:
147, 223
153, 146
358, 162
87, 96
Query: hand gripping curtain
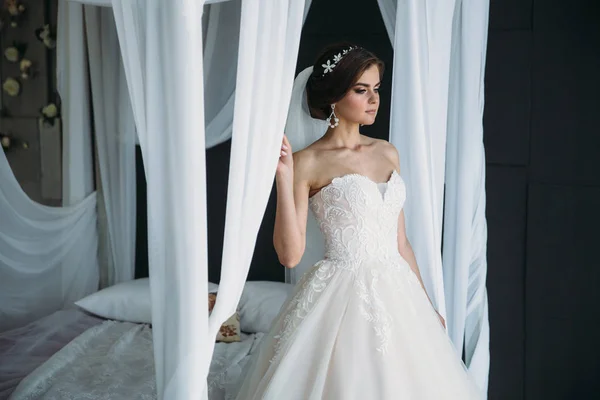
161, 46
269, 42
465, 227
420, 32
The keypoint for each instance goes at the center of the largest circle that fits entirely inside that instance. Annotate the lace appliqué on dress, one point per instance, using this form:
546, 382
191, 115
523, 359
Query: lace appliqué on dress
374, 310
301, 304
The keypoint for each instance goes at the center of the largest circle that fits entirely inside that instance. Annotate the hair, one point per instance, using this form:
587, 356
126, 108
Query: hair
322, 90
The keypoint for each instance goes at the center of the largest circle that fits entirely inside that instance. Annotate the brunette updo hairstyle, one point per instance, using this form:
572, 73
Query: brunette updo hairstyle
322, 90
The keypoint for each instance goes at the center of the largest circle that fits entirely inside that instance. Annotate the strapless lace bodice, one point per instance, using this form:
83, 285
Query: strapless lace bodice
358, 220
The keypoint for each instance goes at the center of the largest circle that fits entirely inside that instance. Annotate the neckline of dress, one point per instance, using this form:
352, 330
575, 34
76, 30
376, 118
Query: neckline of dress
355, 174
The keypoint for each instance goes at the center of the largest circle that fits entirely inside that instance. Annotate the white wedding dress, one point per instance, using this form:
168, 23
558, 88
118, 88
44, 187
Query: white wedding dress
358, 325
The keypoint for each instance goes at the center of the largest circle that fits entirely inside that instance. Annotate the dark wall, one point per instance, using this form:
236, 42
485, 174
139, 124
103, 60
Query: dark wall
543, 185
542, 141
35, 157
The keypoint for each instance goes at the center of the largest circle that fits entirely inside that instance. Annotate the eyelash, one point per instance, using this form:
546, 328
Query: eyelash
361, 91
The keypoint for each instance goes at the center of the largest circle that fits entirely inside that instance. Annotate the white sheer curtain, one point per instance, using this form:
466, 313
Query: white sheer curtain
48, 254
115, 136
269, 42
222, 34
420, 32
89, 31
73, 87
465, 228
177, 205
161, 46
36, 242
72, 83
221, 37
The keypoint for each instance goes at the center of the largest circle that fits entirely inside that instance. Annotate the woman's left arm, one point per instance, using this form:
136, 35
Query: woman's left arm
406, 251
404, 247
408, 254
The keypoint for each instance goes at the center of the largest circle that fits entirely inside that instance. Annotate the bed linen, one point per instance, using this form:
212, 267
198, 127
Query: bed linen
24, 349
114, 360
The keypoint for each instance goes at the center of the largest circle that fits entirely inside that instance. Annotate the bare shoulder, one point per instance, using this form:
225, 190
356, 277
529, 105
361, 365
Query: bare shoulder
304, 163
388, 150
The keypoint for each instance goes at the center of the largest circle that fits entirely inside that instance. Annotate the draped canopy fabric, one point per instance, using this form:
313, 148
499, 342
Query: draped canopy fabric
115, 136
72, 84
268, 51
161, 47
465, 228
420, 32
47, 254
45, 261
177, 204
220, 69
88, 57
109, 3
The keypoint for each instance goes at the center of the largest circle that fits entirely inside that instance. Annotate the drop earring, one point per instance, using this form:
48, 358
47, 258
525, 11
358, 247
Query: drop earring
333, 117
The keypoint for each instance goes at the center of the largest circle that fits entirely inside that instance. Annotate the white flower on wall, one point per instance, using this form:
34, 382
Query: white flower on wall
25, 66
15, 9
5, 141
11, 86
49, 114
50, 111
12, 54
46, 36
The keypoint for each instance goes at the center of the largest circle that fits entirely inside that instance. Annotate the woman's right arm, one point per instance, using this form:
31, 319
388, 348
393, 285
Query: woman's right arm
289, 236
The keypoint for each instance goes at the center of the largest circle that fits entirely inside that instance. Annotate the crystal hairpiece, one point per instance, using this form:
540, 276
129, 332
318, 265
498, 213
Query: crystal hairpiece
329, 66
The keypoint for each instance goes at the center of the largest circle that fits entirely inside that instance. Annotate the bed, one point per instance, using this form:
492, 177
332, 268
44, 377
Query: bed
73, 354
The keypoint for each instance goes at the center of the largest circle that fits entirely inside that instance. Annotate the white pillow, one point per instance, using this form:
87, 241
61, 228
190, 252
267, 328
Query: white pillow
127, 301
260, 303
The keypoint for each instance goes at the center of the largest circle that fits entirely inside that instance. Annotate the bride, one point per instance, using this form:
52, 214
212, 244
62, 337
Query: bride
359, 324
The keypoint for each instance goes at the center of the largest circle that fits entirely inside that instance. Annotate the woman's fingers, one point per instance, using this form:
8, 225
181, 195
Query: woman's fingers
286, 142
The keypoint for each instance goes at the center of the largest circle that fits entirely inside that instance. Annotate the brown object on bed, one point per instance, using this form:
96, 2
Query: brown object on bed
230, 329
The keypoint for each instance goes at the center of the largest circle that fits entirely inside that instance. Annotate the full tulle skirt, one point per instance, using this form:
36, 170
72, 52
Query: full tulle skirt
357, 332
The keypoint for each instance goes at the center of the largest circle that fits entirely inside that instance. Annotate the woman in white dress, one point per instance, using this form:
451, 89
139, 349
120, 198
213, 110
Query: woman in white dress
359, 324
